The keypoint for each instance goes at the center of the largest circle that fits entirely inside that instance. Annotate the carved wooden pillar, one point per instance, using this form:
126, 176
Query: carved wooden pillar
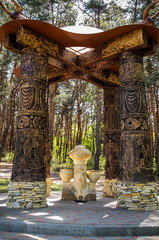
112, 139
47, 163
28, 175
136, 163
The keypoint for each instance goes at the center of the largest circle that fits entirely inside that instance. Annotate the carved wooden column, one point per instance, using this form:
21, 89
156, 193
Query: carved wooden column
27, 188
136, 190
112, 139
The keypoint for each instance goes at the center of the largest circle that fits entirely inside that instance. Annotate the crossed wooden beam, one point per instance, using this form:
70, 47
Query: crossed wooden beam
98, 66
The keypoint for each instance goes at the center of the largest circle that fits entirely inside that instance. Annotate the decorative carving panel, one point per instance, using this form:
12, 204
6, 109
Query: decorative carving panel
112, 131
136, 164
29, 164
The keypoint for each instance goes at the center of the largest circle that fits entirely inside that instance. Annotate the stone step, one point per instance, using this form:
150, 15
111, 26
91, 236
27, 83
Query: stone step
80, 230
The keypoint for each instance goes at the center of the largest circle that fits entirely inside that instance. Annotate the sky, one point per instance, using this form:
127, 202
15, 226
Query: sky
121, 3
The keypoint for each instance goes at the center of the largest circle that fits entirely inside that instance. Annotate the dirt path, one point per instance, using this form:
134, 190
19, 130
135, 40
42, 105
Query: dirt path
6, 170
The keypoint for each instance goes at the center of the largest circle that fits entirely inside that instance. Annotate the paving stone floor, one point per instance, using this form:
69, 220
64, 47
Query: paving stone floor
103, 212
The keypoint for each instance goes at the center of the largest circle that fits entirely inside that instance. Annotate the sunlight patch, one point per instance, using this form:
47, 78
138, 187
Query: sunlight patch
39, 214
34, 237
11, 217
105, 216
111, 204
55, 218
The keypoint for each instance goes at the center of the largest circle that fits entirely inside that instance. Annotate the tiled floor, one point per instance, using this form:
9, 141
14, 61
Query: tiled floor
101, 212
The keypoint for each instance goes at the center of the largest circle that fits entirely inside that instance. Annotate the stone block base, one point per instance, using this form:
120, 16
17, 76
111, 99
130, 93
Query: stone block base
26, 195
71, 197
137, 196
110, 188
70, 192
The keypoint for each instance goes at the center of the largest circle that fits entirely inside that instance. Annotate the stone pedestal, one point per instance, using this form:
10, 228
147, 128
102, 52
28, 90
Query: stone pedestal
110, 188
26, 195
79, 189
27, 188
137, 196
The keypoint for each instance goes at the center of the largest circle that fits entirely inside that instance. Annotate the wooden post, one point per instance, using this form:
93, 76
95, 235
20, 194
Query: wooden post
136, 164
112, 139
27, 188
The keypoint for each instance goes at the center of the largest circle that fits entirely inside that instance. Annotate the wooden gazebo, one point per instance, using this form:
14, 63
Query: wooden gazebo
115, 63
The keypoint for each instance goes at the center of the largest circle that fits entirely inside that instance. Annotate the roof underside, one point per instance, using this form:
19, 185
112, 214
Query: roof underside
91, 67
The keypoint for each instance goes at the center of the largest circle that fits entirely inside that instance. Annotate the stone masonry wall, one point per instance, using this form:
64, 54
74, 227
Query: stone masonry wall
137, 196
110, 188
26, 195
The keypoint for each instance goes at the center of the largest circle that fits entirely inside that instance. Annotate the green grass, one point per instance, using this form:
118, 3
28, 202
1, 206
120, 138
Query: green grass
4, 185
9, 156
56, 187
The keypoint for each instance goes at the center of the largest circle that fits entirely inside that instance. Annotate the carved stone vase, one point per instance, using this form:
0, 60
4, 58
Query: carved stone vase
66, 174
93, 175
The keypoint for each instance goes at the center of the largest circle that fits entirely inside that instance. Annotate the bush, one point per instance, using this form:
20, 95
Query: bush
9, 156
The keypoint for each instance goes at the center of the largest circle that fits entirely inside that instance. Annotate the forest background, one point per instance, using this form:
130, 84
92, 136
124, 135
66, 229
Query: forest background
76, 108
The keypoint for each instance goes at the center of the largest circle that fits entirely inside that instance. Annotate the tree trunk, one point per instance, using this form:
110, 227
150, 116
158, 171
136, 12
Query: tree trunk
157, 130
150, 121
135, 11
96, 158
79, 135
6, 130
52, 94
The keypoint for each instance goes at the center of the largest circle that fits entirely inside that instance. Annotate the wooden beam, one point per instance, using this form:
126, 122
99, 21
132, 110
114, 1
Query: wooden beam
113, 78
66, 64
33, 40
93, 81
10, 43
106, 76
134, 40
64, 77
99, 75
151, 49
102, 64
90, 57
54, 72
56, 63
99, 79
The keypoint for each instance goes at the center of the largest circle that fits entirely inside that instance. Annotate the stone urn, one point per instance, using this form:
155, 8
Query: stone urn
66, 174
80, 155
93, 175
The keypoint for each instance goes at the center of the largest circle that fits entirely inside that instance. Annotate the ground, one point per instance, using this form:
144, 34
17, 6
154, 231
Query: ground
6, 169
75, 218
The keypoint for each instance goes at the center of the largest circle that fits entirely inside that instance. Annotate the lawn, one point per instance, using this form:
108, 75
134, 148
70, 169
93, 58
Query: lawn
3, 185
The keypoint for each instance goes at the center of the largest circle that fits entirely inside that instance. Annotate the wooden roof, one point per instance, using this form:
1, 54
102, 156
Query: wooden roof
68, 39
99, 65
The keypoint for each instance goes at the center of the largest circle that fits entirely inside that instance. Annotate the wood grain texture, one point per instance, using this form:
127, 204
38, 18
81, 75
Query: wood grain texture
134, 40
136, 162
29, 164
112, 131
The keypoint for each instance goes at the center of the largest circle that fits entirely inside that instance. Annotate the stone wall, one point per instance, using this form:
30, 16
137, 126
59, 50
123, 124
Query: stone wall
26, 195
110, 188
137, 196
